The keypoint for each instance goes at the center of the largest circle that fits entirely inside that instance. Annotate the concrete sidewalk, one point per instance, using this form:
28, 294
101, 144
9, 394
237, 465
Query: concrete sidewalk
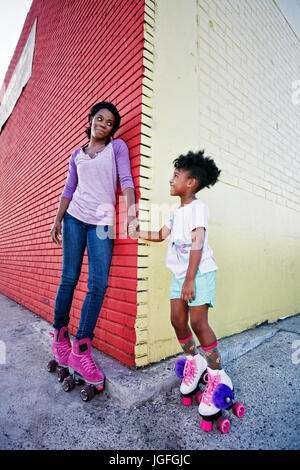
263, 363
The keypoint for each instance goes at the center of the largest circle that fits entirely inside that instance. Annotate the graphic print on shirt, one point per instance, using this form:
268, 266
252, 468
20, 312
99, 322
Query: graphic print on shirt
182, 222
182, 250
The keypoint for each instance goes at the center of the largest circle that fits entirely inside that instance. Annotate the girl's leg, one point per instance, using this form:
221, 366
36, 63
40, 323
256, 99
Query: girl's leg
74, 242
99, 252
195, 365
179, 320
210, 404
206, 336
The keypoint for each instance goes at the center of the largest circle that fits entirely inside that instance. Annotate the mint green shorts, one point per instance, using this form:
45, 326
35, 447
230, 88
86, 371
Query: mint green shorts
205, 288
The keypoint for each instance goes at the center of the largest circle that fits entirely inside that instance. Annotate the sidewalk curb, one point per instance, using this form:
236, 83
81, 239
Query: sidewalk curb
135, 387
37, 413
132, 387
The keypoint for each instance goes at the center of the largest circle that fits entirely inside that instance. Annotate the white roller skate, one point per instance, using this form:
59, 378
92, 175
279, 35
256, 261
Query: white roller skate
218, 396
191, 370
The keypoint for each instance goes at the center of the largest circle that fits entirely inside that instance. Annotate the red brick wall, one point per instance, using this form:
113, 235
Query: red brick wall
85, 51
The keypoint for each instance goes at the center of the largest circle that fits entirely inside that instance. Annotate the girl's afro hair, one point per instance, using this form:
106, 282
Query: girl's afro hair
200, 167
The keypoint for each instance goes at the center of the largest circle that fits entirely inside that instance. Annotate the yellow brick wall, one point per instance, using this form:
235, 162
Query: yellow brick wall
220, 76
146, 178
248, 61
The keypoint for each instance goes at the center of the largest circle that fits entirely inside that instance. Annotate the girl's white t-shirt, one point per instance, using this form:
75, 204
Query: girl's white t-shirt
182, 222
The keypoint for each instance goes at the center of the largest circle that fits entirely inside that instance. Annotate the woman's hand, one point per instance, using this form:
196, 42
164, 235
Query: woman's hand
133, 228
188, 290
56, 232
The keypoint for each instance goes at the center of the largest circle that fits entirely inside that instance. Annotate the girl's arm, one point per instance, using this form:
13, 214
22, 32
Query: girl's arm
149, 235
188, 288
155, 236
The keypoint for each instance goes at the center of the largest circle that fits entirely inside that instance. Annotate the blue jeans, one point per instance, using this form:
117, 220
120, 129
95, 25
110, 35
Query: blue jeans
76, 237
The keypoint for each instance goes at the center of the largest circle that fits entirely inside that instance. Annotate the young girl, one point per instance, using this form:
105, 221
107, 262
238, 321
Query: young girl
86, 213
193, 285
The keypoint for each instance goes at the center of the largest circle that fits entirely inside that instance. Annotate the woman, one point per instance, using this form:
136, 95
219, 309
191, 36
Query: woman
87, 208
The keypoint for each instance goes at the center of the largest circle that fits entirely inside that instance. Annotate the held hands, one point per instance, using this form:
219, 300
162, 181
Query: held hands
188, 290
55, 232
133, 228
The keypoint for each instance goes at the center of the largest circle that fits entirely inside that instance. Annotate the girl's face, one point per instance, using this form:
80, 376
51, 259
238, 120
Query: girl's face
179, 183
102, 124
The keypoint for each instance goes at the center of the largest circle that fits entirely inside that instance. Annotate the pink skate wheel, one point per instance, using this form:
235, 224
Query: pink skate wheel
198, 397
87, 393
187, 401
69, 384
223, 424
52, 366
62, 373
238, 410
206, 425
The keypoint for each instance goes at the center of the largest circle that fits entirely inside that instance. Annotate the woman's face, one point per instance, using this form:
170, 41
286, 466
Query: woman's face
102, 124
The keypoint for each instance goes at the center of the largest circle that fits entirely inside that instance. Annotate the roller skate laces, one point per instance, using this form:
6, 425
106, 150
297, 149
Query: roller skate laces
82, 362
190, 372
212, 382
88, 365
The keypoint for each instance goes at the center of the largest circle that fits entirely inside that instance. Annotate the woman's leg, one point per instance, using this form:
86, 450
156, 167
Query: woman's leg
99, 252
74, 243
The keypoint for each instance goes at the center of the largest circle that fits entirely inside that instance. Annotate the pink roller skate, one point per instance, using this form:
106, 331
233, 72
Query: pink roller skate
191, 369
83, 368
218, 396
61, 348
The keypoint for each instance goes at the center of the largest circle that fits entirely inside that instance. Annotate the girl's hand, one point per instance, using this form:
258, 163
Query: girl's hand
188, 290
56, 232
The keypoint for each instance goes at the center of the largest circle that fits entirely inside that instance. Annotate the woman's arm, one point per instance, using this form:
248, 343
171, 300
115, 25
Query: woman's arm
72, 177
67, 194
126, 182
129, 195
56, 227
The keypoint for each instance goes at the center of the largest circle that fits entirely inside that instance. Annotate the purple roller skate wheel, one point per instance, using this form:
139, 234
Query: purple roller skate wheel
179, 367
